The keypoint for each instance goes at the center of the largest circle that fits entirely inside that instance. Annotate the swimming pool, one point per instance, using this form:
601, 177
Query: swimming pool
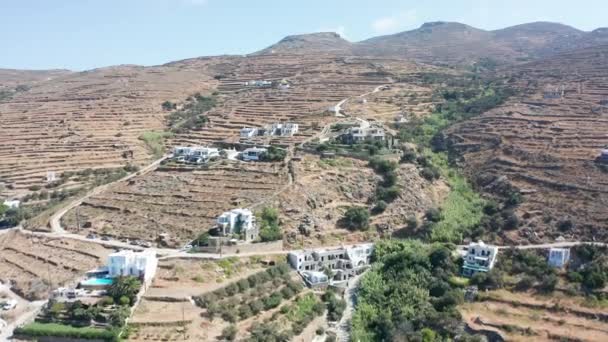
97, 282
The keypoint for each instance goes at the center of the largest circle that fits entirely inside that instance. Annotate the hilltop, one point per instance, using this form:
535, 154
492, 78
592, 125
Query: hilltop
451, 43
322, 42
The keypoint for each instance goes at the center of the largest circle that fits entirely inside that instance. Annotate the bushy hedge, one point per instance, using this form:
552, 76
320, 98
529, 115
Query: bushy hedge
60, 330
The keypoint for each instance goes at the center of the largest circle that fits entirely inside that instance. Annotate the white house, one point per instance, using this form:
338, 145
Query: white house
253, 154
128, 263
558, 257
248, 132
12, 204
364, 132
238, 221
289, 129
344, 262
205, 153
479, 258
181, 151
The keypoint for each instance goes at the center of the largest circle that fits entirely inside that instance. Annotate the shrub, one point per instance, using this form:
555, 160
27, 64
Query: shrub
380, 207
408, 156
124, 300
274, 154
356, 218
430, 173
433, 215
256, 306
245, 311
320, 331
229, 332
411, 222
243, 285
382, 166
387, 194
548, 283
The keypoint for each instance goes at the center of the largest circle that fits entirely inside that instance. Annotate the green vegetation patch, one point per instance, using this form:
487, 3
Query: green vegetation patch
407, 294
155, 141
61, 330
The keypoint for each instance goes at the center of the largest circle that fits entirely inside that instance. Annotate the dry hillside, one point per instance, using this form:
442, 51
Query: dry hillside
547, 147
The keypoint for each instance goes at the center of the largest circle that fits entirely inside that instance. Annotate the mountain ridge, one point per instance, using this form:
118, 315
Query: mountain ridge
450, 42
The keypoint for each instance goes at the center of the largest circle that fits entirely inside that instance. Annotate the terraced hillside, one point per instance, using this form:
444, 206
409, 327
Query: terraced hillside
316, 84
547, 147
90, 119
179, 201
34, 265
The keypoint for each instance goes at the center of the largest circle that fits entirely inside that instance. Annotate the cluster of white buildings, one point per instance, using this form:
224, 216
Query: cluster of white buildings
480, 257
195, 154
286, 129
343, 263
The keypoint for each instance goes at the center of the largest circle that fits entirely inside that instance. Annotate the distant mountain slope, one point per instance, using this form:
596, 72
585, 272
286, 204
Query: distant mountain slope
451, 43
12, 77
322, 42
447, 42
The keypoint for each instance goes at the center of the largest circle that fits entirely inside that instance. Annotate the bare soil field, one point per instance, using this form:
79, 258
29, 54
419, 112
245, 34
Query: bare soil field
523, 317
547, 147
35, 265
181, 201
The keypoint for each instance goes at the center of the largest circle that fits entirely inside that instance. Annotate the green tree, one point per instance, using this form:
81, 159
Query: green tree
124, 286
229, 332
356, 218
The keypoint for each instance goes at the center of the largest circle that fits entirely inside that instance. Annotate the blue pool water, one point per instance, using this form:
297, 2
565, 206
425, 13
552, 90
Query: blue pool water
97, 281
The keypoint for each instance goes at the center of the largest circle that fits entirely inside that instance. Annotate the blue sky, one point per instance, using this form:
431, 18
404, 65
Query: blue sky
84, 34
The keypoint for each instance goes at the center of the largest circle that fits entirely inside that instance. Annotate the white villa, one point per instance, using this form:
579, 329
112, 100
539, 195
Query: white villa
344, 262
283, 129
364, 132
128, 263
238, 221
558, 257
205, 152
197, 154
248, 132
253, 153
479, 258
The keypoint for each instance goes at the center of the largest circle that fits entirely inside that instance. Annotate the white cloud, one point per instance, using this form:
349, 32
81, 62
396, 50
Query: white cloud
394, 22
341, 30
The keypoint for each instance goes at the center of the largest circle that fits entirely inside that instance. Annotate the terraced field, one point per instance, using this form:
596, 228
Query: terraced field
183, 202
34, 265
523, 317
317, 83
547, 147
86, 120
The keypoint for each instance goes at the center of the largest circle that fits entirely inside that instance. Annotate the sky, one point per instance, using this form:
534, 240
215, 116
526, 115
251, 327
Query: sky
86, 34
